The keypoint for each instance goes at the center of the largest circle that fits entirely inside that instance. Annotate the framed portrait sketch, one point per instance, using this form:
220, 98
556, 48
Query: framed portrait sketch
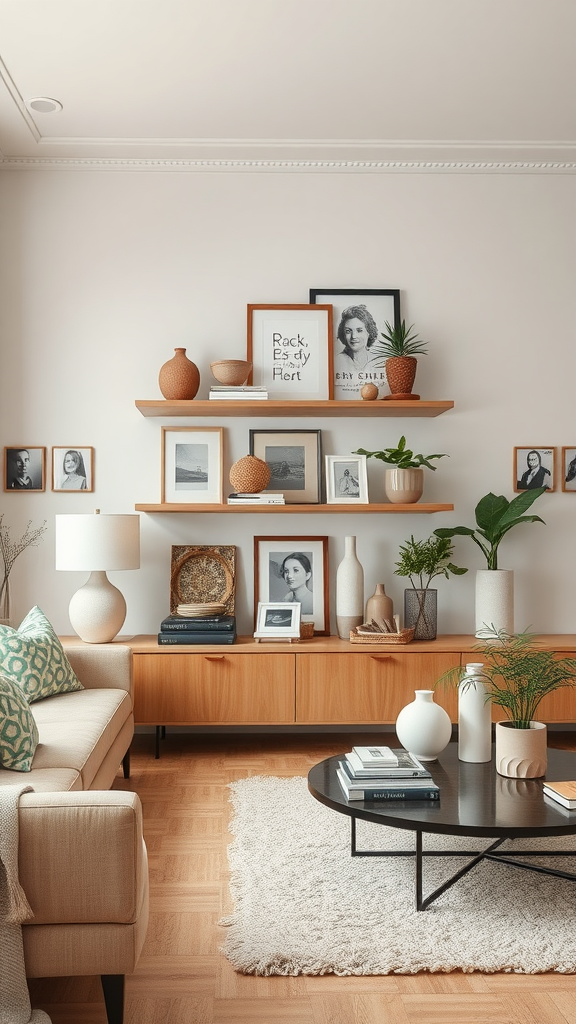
295, 461
277, 622
534, 467
192, 465
569, 469
346, 480
359, 317
72, 468
294, 570
24, 469
290, 350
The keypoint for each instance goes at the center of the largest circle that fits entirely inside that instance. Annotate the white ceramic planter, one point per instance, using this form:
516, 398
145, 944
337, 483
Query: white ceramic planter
404, 486
521, 753
494, 601
423, 727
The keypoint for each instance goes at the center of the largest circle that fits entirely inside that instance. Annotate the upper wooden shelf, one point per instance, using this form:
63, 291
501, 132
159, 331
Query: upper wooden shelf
258, 407
418, 507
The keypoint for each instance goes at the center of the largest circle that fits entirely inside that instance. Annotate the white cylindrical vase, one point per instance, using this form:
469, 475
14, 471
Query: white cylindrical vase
349, 591
494, 601
474, 717
423, 727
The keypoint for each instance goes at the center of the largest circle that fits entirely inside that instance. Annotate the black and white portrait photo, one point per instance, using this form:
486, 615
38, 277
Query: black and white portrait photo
291, 578
346, 479
295, 462
534, 467
24, 469
192, 465
72, 468
294, 571
569, 469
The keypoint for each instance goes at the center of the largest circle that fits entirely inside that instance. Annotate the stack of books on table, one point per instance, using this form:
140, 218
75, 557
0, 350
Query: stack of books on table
216, 629
564, 793
261, 498
381, 774
233, 393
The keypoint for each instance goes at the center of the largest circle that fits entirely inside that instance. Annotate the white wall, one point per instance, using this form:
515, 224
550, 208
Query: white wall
104, 273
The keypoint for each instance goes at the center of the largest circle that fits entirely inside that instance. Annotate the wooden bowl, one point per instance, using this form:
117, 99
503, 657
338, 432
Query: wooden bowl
231, 372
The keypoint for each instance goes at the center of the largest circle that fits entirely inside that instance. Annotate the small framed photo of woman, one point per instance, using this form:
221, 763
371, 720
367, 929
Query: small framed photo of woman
534, 467
569, 469
294, 570
24, 469
72, 468
346, 480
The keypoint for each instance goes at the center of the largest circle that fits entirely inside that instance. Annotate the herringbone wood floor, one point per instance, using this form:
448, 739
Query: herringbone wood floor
182, 978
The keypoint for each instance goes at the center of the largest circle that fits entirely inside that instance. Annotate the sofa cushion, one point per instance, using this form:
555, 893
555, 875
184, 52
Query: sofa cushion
33, 657
18, 731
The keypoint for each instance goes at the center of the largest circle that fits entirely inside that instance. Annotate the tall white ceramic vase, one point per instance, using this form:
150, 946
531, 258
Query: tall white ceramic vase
494, 605
474, 717
423, 727
349, 591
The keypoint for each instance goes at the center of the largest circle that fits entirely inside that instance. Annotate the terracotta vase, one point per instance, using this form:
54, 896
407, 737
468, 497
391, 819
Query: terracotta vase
179, 378
379, 607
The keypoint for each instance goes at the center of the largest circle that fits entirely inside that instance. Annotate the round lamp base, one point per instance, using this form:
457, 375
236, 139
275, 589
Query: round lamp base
97, 611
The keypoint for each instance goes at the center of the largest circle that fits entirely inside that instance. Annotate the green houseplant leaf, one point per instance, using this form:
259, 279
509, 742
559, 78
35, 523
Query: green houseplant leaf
401, 456
495, 516
399, 340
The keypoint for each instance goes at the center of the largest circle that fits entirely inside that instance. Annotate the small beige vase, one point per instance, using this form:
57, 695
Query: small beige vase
379, 606
404, 486
521, 753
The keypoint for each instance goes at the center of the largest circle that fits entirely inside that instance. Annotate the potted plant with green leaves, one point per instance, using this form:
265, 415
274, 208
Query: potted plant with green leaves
495, 517
405, 483
397, 353
422, 561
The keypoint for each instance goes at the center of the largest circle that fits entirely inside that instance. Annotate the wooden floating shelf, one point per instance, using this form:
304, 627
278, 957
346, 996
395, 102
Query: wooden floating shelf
418, 508
258, 407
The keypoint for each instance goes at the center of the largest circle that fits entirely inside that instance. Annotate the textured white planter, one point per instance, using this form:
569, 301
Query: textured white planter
521, 753
474, 717
423, 727
404, 486
494, 604
349, 591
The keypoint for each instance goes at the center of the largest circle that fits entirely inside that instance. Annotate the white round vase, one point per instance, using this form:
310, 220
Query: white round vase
349, 591
474, 717
494, 602
423, 727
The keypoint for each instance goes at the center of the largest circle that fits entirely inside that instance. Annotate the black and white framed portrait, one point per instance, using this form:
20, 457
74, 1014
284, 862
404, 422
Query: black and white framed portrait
192, 465
277, 621
346, 480
24, 468
359, 317
294, 570
569, 469
72, 468
295, 462
534, 467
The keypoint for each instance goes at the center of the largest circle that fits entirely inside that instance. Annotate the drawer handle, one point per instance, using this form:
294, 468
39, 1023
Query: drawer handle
214, 657
381, 657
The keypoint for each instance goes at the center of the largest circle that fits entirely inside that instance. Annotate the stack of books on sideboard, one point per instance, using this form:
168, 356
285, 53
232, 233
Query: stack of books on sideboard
381, 774
191, 625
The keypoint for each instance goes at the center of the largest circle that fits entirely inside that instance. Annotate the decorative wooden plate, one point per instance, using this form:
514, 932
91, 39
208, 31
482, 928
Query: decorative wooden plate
203, 574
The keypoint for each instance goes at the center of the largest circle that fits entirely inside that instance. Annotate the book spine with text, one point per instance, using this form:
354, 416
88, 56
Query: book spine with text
389, 793
196, 638
197, 626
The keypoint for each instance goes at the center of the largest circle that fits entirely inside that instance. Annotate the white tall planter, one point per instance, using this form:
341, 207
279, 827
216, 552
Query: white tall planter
494, 605
474, 717
349, 591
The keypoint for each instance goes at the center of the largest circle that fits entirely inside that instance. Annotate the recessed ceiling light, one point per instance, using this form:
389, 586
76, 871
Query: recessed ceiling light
44, 105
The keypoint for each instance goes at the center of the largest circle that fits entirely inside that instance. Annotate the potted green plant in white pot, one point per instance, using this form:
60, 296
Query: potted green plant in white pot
397, 353
404, 484
422, 561
494, 592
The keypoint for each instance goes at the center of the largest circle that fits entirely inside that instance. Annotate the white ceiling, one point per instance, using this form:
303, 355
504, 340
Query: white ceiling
360, 82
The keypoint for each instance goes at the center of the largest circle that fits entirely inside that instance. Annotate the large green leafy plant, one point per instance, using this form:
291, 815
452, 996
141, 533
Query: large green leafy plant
495, 517
400, 456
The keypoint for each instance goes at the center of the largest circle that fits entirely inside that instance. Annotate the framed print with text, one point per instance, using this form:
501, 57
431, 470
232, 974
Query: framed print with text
72, 468
24, 469
569, 469
295, 462
291, 352
290, 570
534, 467
192, 465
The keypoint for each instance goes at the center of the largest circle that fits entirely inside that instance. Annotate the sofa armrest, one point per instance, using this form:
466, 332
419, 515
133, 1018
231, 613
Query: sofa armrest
82, 857
101, 665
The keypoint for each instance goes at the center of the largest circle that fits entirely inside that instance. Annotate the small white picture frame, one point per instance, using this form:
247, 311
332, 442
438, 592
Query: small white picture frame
346, 480
277, 621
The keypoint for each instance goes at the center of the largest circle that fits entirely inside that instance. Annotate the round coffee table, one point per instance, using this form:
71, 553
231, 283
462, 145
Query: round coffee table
474, 801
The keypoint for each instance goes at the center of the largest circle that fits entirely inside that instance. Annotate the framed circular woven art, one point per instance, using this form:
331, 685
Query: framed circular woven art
203, 573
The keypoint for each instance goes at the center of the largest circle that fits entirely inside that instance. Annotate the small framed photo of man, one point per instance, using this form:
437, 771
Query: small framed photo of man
72, 468
346, 480
294, 570
24, 469
277, 622
569, 469
534, 467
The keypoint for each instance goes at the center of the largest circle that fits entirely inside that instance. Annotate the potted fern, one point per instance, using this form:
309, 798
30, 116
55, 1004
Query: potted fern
405, 483
397, 353
422, 561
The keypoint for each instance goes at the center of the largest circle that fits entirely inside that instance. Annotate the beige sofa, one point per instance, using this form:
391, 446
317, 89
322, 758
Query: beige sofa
82, 858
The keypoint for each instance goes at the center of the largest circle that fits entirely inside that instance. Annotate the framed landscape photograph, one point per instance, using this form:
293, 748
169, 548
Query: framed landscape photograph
72, 468
277, 622
295, 461
569, 469
192, 465
534, 467
24, 469
346, 480
290, 350
359, 317
294, 570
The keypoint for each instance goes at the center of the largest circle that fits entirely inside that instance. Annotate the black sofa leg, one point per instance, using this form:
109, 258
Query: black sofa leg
126, 764
113, 988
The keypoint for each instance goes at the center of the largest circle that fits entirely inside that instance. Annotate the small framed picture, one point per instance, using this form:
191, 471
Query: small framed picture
569, 469
192, 465
359, 317
294, 570
24, 469
295, 461
534, 467
72, 469
346, 480
290, 350
277, 622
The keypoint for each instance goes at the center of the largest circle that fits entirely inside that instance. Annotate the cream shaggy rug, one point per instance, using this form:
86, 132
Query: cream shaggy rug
303, 905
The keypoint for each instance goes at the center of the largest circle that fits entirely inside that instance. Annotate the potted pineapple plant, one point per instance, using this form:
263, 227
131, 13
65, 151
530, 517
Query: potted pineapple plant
405, 483
397, 353
422, 561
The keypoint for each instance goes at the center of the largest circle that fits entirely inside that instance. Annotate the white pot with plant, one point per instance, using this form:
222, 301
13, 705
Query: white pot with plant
397, 354
495, 517
10, 550
422, 561
404, 484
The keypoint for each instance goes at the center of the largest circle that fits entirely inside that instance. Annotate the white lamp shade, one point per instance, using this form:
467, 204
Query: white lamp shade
85, 543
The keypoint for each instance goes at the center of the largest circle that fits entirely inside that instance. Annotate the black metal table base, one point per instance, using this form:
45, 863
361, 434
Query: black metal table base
477, 855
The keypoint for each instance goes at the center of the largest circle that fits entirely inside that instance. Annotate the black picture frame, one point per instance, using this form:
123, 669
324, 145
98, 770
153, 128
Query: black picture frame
296, 470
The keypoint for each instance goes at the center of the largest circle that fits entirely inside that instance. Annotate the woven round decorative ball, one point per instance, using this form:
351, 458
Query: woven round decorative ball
250, 475
369, 392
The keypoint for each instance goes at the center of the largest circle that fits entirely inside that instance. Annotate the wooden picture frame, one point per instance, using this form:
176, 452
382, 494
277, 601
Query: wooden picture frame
277, 621
192, 465
295, 461
346, 480
568, 466
290, 350
72, 468
24, 468
535, 467
273, 582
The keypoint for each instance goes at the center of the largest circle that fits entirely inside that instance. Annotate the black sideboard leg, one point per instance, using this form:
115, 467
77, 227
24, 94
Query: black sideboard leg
126, 764
113, 988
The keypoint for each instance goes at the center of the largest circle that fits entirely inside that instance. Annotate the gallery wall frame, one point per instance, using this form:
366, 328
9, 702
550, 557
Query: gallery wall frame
295, 461
192, 465
290, 350
72, 468
535, 467
294, 570
568, 468
24, 468
346, 480
277, 622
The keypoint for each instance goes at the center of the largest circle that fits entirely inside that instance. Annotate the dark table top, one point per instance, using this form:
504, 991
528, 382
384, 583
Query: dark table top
474, 799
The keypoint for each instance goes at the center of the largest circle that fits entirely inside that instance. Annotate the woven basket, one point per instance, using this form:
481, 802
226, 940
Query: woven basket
250, 475
403, 637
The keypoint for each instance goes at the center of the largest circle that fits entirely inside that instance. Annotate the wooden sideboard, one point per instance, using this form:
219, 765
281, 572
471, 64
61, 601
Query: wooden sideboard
323, 681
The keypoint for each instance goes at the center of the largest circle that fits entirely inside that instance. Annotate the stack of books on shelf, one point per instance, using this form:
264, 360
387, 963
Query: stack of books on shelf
261, 498
233, 393
382, 774
183, 629
564, 793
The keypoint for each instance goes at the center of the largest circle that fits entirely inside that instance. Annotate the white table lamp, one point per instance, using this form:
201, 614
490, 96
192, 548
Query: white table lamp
97, 544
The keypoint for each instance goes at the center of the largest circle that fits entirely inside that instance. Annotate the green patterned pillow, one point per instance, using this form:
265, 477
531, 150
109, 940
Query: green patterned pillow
18, 730
33, 657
